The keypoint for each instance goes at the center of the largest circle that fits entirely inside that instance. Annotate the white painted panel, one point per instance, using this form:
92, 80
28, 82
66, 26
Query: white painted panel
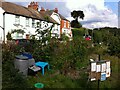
98, 69
108, 72
108, 64
93, 67
103, 66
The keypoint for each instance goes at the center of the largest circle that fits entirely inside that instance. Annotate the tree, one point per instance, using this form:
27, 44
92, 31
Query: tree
76, 15
44, 35
9, 36
75, 24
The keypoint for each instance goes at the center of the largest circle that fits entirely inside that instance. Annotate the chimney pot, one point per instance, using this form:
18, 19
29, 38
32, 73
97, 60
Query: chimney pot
33, 5
56, 10
42, 9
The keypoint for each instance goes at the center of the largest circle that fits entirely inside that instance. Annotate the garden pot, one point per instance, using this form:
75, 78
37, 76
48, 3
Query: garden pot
39, 86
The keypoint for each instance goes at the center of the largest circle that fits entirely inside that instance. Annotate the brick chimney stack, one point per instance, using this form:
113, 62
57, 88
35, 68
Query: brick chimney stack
56, 10
34, 5
42, 9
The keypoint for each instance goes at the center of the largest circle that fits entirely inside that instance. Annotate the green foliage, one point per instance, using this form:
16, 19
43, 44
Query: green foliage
18, 31
32, 37
39, 51
75, 24
10, 76
114, 46
65, 59
9, 36
64, 37
97, 37
69, 57
44, 35
47, 18
78, 33
109, 37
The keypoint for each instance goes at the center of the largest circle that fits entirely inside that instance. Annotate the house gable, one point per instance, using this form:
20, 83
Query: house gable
56, 17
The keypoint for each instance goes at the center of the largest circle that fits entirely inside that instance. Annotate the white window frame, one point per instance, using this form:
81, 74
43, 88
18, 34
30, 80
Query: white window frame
17, 19
27, 22
64, 24
33, 23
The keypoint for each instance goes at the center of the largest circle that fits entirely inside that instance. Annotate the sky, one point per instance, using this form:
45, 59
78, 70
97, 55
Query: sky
98, 13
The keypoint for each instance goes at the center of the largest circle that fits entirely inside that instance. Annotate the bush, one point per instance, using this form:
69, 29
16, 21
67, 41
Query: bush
114, 46
10, 76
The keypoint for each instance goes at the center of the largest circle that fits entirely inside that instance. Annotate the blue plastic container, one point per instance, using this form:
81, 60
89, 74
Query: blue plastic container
27, 55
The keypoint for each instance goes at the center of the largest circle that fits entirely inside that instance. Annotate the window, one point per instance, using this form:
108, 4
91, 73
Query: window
38, 24
64, 23
33, 23
68, 25
27, 22
17, 19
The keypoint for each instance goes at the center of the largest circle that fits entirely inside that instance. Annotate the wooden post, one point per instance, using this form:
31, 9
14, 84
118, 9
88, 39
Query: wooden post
99, 78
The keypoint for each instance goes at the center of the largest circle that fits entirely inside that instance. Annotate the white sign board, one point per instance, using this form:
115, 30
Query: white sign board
108, 64
98, 68
93, 67
108, 72
103, 67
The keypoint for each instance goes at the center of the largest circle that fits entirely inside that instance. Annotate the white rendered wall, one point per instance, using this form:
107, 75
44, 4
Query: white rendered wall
1, 25
10, 25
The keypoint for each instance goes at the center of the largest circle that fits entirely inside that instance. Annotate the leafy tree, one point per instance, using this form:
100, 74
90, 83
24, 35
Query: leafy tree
44, 35
76, 15
39, 52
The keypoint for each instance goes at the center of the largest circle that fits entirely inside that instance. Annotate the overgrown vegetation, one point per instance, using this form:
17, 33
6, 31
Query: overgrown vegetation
69, 60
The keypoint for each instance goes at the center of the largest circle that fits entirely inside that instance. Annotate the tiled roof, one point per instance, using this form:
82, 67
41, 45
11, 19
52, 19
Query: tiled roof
46, 15
62, 17
20, 10
28, 12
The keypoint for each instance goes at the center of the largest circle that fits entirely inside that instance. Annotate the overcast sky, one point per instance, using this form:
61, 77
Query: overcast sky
98, 13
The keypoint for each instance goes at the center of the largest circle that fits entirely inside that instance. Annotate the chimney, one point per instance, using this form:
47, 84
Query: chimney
56, 10
47, 9
33, 5
42, 9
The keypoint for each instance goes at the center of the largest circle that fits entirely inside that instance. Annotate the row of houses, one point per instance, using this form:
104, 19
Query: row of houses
29, 19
